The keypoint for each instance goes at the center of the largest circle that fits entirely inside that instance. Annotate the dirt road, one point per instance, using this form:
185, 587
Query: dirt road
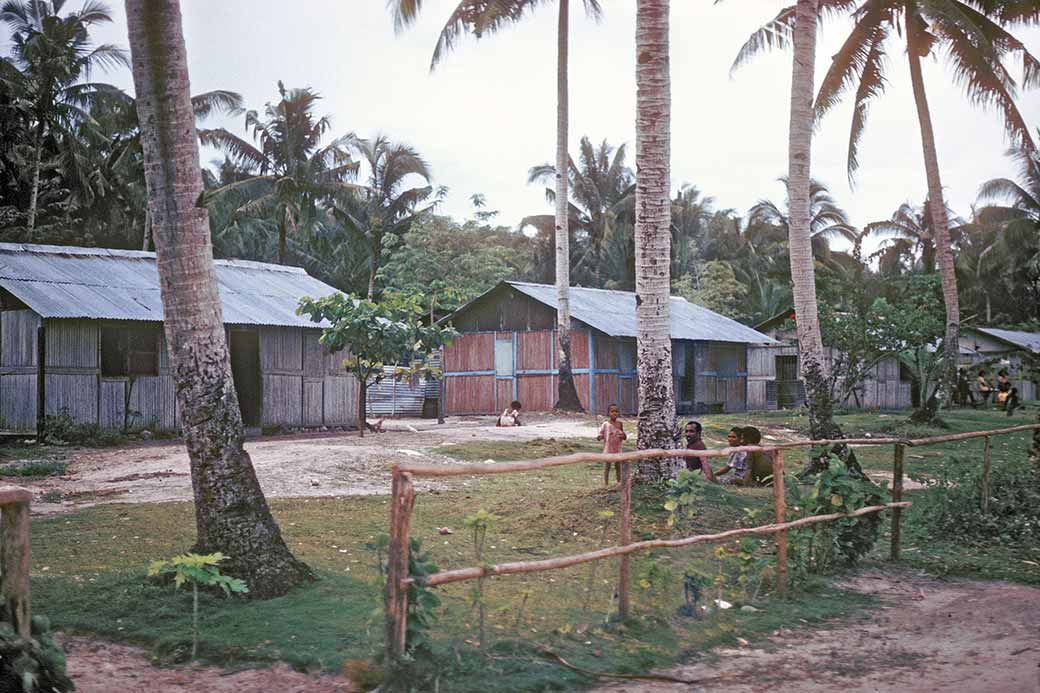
932, 635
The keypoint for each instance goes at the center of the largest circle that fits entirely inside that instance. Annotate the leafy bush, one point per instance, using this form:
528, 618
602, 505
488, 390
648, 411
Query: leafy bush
951, 503
36, 666
63, 430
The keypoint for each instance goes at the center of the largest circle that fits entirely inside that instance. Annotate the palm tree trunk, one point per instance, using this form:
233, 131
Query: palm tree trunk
653, 235
803, 279
146, 240
281, 236
567, 393
373, 267
231, 513
34, 194
940, 225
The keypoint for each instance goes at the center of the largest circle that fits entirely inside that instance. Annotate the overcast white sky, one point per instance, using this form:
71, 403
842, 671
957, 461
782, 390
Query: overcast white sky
488, 113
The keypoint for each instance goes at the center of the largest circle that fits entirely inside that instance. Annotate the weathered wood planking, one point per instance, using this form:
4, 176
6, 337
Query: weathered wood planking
471, 352
18, 347
469, 394
313, 402
72, 344
76, 395
18, 402
340, 395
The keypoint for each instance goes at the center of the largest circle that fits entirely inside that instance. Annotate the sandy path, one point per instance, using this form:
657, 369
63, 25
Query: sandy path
289, 466
955, 637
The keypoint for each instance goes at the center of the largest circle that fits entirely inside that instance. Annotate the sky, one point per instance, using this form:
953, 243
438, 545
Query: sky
488, 112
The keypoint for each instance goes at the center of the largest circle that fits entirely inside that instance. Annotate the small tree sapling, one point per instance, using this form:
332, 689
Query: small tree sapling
197, 570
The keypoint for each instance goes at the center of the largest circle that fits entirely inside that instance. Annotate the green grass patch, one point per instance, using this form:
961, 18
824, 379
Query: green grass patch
34, 468
509, 450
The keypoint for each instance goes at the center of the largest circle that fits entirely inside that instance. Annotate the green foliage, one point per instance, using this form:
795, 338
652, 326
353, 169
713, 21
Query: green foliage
950, 506
35, 468
824, 546
686, 495
715, 287
62, 429
36, 666
198, 571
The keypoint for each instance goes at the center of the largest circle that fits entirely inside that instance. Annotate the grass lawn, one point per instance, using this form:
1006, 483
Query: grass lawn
88, 571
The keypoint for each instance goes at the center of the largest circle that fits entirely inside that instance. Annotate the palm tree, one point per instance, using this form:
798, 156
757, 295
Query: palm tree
827, 220
909, 238
231, 513
50, 54
973, 38
653, 233
485, 17
602, 187
294, 171
692, 212
386, 205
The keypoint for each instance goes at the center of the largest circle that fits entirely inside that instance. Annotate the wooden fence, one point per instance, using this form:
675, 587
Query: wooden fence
14, 556
403, 500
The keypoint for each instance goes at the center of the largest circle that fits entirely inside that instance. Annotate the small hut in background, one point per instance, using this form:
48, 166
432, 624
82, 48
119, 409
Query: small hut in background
507, 351
81, 334
997, 348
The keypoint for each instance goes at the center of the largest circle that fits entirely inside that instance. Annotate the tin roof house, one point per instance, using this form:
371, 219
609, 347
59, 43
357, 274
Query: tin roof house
81, 334
997, 348
507, 351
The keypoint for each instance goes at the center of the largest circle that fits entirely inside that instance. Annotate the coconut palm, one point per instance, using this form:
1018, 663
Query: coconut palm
231, 514
386, 205
973, 38
51, 54
486, 17
294, 171
602, 188
908, 239
692, 212
827, 220
653, 233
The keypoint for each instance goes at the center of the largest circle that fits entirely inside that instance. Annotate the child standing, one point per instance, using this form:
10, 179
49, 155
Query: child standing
612, 433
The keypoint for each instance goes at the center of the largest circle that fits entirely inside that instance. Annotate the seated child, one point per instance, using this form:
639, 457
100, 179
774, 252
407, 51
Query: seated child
737, 471
612, 433
761, 464
511, 416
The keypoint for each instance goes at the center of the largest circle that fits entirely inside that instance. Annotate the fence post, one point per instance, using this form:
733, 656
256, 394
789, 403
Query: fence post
626, 537
14, 558
985, 475
396, 592
897, 495
779, 505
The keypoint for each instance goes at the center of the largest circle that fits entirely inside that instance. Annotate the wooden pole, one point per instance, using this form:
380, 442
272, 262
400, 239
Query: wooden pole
781, 535
985, 475
897, 496
396, 595
460, 574
14, 561
626, 538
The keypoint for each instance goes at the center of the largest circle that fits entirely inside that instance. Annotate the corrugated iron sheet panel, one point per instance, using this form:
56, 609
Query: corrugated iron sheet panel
614, 314
104, 284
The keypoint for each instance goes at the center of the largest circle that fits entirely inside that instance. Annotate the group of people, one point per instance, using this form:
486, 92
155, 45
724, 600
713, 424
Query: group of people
742, 468
1004, 394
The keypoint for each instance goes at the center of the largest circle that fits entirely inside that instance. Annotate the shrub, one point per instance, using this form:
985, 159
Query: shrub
61, 429
36, 666
950, 504
35, 468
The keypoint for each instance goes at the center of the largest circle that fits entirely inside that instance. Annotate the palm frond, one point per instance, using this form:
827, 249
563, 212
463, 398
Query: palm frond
218, 100
773, 35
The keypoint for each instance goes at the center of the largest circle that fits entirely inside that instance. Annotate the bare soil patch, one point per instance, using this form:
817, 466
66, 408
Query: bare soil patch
96, 666
288, 466
931, 635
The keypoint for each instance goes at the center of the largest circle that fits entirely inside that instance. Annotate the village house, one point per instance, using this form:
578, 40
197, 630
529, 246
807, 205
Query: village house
507, 351
81, 335
995, 349
775, 383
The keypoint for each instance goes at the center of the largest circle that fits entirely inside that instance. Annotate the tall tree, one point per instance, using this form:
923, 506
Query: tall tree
52, 54
231, 513
481, 17
385, 205
294, 171
971, 35
653, 233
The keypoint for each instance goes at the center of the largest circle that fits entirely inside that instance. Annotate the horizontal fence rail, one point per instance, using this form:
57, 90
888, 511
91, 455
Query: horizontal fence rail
403, 498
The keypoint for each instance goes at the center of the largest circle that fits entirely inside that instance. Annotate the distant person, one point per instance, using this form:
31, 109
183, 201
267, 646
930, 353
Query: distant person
737, 470
760, 463
964, 395
1003, 388
1012, 402
612, 433
692, 433
511, 416
983, 386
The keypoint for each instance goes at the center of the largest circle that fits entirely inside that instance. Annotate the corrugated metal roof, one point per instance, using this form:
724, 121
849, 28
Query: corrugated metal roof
1025, 340
105, 284
614, 314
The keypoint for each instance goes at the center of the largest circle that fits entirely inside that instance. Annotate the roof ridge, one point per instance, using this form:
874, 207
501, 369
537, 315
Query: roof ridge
587, 288
43, 249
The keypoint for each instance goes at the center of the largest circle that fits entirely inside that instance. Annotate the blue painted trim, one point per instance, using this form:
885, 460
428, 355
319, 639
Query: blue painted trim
457, 374
515, 394
592, 373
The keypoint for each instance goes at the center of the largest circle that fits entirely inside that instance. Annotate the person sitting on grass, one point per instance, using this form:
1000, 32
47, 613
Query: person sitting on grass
612, 433
692, 433
511, 416
1003, 388
760, 462
982, 384
737, 471
1012, 403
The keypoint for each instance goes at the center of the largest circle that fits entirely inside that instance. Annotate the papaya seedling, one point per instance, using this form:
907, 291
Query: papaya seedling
196, 570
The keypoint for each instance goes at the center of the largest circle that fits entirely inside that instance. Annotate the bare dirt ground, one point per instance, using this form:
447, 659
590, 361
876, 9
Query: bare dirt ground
321, 464
931, 635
